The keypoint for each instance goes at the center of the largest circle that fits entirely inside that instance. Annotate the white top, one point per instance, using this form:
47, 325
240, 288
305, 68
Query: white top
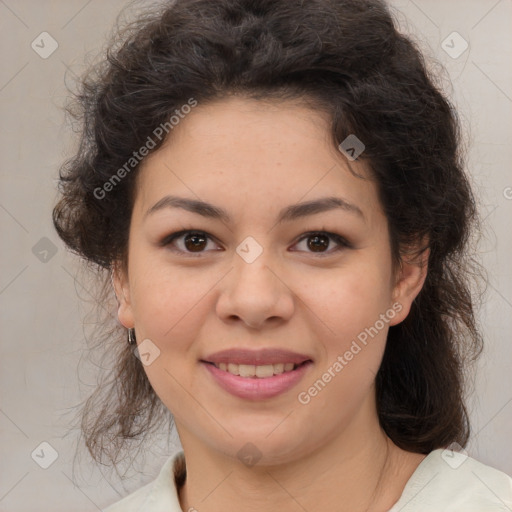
444, 481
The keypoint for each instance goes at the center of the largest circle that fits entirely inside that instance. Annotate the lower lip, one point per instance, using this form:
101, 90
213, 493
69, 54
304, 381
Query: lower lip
255, 388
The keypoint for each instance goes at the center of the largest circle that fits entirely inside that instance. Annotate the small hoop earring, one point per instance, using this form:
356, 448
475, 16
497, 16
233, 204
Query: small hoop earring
131, 337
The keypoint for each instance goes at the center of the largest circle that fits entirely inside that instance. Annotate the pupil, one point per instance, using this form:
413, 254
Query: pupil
318, 241
192, 244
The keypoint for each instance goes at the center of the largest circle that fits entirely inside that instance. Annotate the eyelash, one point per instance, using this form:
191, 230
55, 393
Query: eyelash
341, 241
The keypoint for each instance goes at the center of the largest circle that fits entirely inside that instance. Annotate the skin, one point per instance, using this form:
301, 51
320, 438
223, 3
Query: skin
254, 158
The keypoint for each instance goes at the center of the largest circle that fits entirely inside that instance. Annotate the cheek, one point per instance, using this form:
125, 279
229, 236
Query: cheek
168, 300
347, 299
348, 304
352, 337
169, 305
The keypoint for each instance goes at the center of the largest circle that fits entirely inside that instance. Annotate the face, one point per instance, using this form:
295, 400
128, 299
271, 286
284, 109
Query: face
263, 274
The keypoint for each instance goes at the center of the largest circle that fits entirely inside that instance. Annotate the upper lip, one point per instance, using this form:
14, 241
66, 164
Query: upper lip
256, 357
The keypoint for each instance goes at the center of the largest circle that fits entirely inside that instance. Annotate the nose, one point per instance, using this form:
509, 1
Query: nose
255, 294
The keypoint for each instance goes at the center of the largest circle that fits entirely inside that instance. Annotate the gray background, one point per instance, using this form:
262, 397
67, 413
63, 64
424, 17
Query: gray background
44, 300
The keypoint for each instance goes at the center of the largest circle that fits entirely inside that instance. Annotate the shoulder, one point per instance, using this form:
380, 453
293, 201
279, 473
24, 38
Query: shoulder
160, 495
453, 482
133, 502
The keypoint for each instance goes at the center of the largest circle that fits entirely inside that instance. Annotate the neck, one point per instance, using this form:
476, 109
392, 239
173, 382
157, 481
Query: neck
359, 471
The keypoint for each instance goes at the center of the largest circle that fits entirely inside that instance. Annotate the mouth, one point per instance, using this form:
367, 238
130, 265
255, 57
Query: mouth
256, 382
258, 371
256, 374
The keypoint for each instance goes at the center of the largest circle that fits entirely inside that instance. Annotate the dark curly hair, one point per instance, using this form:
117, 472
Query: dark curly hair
347, 58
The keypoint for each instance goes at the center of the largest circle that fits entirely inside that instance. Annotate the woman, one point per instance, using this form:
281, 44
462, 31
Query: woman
276, 191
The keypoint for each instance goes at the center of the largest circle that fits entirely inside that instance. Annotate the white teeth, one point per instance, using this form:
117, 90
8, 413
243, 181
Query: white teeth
247, 370
266, 370
278, 368
251, 370
233, 368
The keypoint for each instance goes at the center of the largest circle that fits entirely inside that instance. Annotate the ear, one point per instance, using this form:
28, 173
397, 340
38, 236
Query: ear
122, 291
409, 282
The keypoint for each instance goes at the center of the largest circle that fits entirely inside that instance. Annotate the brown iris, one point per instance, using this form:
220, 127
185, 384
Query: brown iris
195, 242
317, 242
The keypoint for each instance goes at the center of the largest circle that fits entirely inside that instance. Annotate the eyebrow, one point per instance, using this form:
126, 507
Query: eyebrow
289, 213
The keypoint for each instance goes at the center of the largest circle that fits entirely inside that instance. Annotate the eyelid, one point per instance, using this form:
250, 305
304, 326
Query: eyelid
342, 242
167, 240
339, 239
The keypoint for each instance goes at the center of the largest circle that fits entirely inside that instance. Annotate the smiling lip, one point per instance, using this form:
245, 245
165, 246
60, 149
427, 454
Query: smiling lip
256, 357
256, 388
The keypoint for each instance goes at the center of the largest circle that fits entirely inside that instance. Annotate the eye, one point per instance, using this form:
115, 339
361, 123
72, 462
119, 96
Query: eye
189, 242
318, 242
192, 242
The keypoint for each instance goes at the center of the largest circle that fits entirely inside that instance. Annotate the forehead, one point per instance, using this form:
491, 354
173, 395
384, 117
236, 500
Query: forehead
238, 151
